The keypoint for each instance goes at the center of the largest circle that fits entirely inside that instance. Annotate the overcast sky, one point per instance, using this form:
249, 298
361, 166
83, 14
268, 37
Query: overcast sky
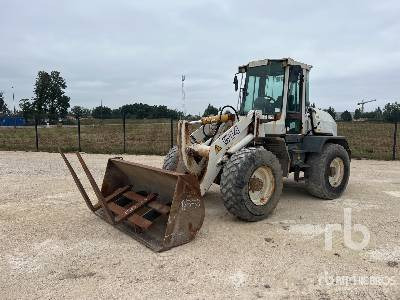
129, 51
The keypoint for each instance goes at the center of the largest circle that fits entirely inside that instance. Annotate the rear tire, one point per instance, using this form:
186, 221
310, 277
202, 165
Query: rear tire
251, 184
329, 172
171, 159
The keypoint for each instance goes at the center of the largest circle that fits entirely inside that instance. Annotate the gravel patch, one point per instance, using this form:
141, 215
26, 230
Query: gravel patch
52, 246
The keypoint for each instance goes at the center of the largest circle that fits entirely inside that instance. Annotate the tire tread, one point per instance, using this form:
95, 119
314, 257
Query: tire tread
229, 182
315, 176
171, 159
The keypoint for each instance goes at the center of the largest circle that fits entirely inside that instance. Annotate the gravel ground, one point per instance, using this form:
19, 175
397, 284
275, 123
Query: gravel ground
52, 246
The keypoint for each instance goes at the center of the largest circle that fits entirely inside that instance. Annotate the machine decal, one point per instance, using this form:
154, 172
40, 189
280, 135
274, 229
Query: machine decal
227, 138
217, 148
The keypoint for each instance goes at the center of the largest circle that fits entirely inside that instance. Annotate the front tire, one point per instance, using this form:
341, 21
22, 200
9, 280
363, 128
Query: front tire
171, 159
329, 172
251, 184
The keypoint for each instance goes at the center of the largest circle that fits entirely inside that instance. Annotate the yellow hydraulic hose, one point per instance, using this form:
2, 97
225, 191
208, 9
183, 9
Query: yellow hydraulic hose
217, 119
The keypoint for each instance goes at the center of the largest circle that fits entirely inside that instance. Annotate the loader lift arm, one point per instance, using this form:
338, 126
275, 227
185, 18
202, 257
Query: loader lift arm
227, 142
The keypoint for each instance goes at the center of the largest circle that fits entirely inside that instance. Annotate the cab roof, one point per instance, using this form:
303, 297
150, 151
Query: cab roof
289, 61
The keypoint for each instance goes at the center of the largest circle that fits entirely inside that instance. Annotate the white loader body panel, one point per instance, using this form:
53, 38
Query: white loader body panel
323, 122
275, 127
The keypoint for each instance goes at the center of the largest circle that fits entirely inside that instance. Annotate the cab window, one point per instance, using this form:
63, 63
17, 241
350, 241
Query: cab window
263, 89
295, 89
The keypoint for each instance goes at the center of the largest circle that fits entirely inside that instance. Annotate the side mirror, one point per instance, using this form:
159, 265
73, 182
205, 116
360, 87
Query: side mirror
236, 83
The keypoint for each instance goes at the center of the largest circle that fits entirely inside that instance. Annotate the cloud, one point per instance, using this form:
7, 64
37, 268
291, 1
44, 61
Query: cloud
125, 51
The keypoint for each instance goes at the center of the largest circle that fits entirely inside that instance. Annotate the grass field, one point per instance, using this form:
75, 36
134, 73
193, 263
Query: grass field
142, 138
367, 140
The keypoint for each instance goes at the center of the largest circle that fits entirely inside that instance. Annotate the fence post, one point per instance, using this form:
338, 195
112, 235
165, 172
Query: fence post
124, 130
37, 135
79, 134
172, 132
394, 141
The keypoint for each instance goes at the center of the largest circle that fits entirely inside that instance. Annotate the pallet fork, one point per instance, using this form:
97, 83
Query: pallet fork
159, 208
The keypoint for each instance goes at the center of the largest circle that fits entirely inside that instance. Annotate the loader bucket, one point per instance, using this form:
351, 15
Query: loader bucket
158, 208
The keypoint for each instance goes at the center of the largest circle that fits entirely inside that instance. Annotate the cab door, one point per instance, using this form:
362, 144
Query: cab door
294, 107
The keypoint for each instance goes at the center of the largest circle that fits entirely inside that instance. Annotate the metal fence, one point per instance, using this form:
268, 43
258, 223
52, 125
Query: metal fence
116, 136
370, 140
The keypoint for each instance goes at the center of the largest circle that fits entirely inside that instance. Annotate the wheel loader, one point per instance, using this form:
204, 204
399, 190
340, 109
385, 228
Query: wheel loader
247, 151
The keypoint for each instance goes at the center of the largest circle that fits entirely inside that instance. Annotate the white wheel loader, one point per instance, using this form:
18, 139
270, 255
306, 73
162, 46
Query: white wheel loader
246, 150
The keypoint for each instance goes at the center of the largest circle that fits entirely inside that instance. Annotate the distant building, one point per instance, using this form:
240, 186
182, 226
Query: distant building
12, 121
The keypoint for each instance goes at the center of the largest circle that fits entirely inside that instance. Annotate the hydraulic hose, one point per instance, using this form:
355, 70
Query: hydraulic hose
219, 119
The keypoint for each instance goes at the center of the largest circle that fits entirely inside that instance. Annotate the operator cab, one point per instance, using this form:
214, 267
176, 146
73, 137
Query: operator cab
279, 88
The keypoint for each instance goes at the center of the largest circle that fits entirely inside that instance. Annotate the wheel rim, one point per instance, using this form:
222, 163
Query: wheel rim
336, 172
261, 185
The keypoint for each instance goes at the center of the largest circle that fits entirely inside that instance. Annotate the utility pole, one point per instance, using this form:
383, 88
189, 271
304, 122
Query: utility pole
101, 111
394, 141
15, 117
183, 96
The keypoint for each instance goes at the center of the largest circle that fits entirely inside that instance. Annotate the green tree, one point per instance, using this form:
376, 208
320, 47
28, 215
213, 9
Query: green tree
331, 111
346, 116
391, 112
3, 104
27, 108
102, 112
57, 102
80, 112
49, 97
375, 115
357, 114
378, 114
141, 111
210, 111
41, 90
116, 113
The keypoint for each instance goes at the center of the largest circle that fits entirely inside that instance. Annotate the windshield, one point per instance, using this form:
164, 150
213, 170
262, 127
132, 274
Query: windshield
263, 88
